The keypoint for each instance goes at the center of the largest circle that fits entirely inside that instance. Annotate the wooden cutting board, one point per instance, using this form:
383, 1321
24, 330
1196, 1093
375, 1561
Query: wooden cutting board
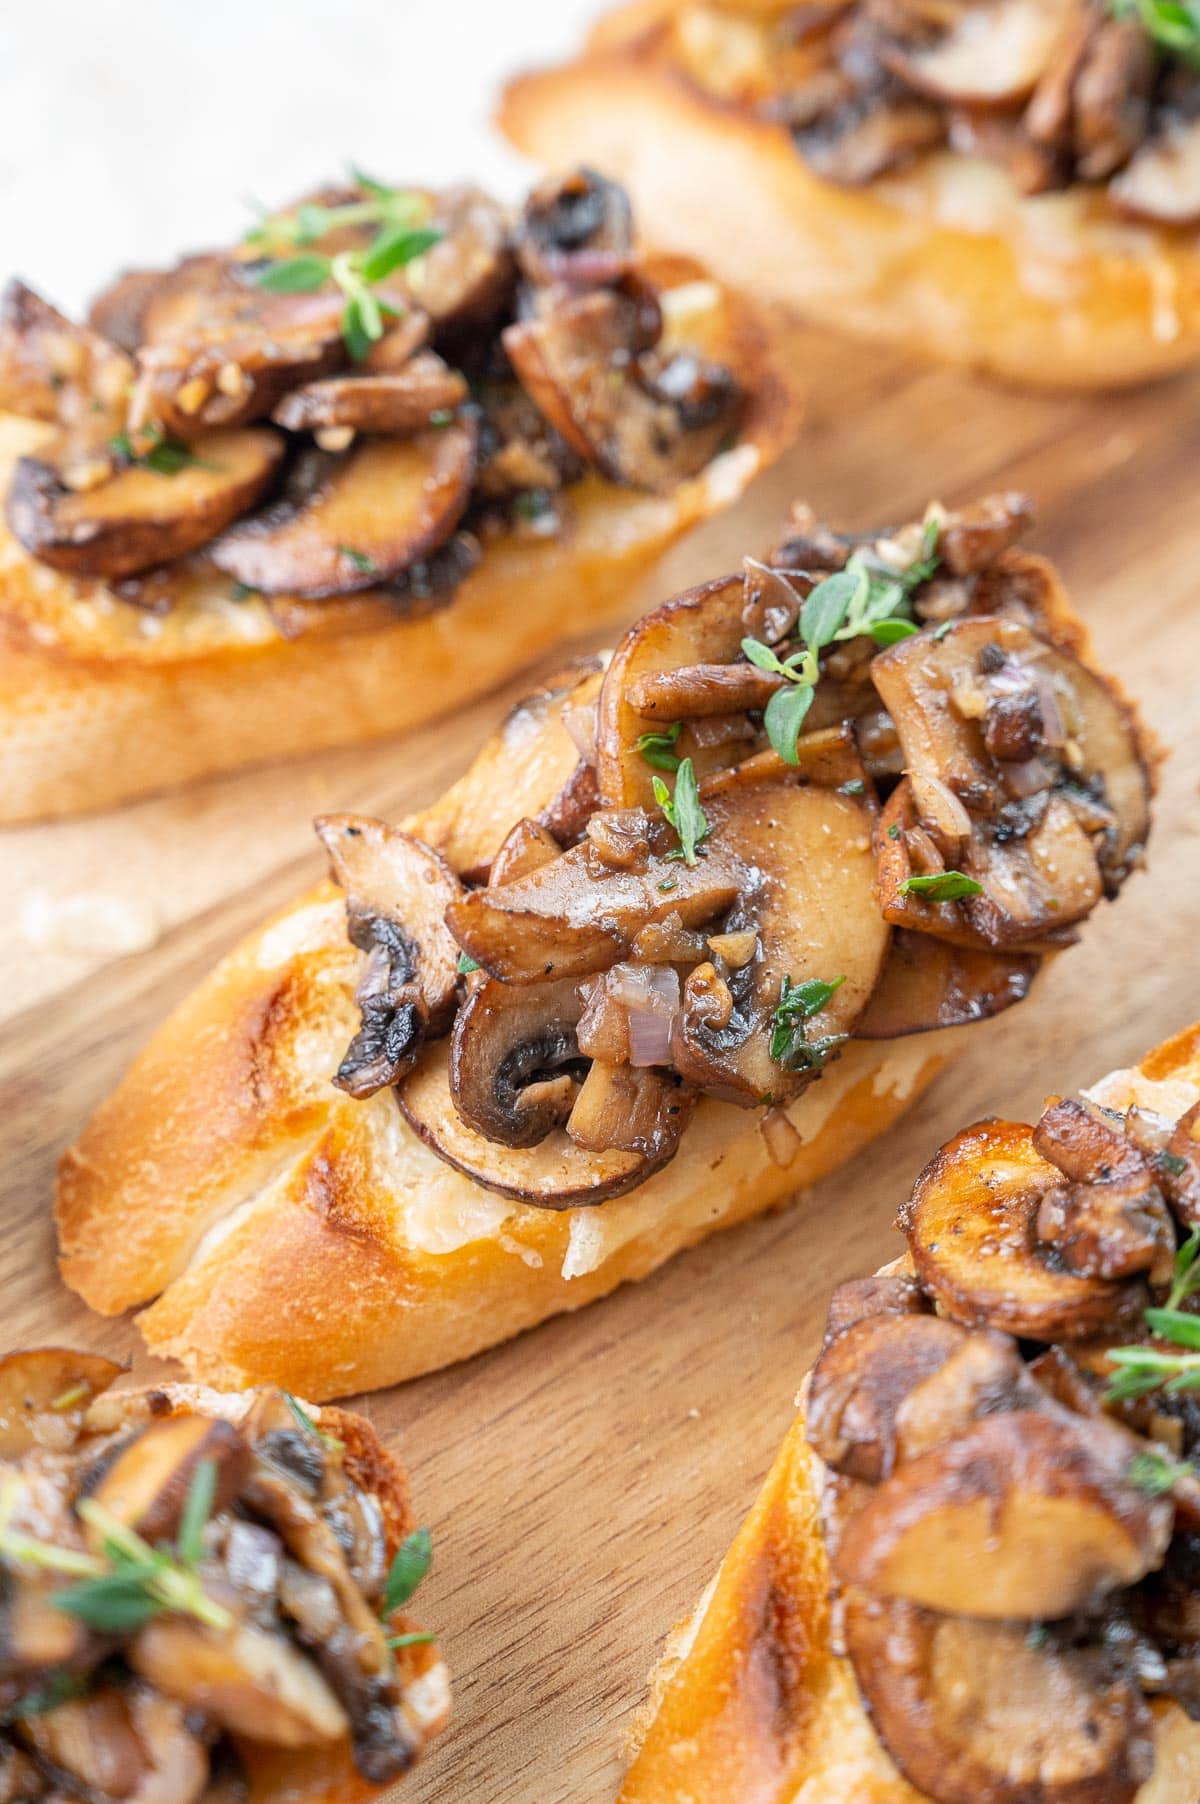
583, 1482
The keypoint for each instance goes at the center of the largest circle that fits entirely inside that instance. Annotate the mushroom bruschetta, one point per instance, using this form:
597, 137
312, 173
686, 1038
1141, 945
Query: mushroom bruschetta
971, 1577
337, 478
203, 1597
1011, 184
695, 927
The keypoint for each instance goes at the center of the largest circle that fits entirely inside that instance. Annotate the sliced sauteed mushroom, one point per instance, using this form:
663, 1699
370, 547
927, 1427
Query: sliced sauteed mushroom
142, 515
399, 402
989, 1713
557, 1173
514, 1059
929, 983
352, 521
1026, 777
397, 893
43, 1395
217, 1575
1060, 92
588, 363
577, 229
860, 1380
972, 1225
54, 370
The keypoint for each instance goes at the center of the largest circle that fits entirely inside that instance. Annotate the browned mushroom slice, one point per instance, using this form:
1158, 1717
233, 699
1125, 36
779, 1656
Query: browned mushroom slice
1179, 1169
983, 1375
118, 1742
465, 280
631, 1109
1162, 181
398, 403
52, 1382
859, 1382
650, 426
988, 54
973, 538
397, 893
985, 1713
859, 1299
859, 138
809, 897
1110, 1219
1028, 1514
147, 1485
929, 983
971, 1225
119, 311
219, 349
246, 1679
578, 914
523, 770
578, 229
515, 1063
141, 517
527, 848
352, 521
1027, 774
54, 370
554, 1174
706, 627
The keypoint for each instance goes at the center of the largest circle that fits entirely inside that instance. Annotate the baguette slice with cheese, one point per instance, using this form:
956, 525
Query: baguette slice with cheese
594, 1025
753, 1699
942, 255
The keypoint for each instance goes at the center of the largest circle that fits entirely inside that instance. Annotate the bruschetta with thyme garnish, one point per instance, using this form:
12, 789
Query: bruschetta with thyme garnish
971, 1577
697, 925
1010, 184
339, 477
204, 1596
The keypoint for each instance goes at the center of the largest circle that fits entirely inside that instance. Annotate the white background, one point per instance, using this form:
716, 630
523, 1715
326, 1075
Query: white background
133, 130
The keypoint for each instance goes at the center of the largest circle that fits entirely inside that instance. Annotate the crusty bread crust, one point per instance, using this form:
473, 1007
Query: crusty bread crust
292, 1235
945, 259
752, 1702
101, 701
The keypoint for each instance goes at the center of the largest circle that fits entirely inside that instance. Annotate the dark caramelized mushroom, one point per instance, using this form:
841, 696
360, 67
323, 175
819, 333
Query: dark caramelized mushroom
397, 892
400, 402
971, 1225
147, 1485
141, 516
929, 983
988, 1713
514, 1060
860, 1380
1109, 1219
54, 370
352, 521
577, 229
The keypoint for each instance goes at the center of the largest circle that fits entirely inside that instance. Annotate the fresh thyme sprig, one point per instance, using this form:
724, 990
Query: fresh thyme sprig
797, 1005
868, 598
413, 1559
165, 456
130, 1582
399, 239
1174, 25
309, 1426
683, 811
1155, 1473
1143, 1368
941, 886
656, 747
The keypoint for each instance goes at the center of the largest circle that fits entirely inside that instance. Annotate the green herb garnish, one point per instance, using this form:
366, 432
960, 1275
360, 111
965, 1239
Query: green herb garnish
655, 747
197, 1509
467, 964
413, 1559
398, 240
683, 811
1174, 25
797, 1005
1143, 1369
366, 566
308, 1425
941, 886
165, 456
1155, 1473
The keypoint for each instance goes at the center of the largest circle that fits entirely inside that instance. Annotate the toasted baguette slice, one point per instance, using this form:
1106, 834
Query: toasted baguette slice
101, 701
290, 1234
325, 1774
751, 1701
945, 258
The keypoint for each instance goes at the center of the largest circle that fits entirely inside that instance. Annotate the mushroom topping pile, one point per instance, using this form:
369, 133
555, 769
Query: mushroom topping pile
187, 1595
373, 382
858, 790
1012, 1509
1104, 93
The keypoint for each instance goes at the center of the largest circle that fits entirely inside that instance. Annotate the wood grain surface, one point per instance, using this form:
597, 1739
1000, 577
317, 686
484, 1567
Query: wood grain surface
583, 1481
